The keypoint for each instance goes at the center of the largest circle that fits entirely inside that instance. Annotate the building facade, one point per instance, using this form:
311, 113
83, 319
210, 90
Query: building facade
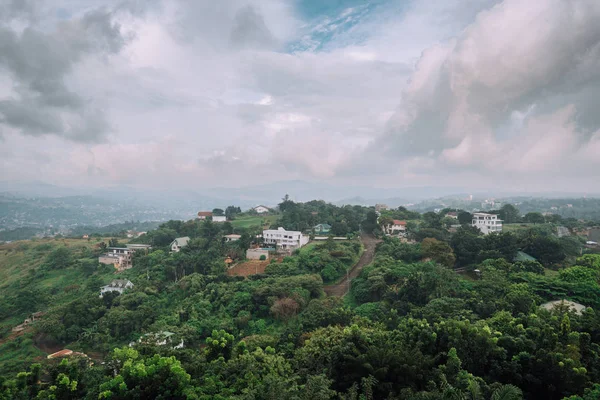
487, 223
117, 285
177, 244
256, 254
119, 257
285, 240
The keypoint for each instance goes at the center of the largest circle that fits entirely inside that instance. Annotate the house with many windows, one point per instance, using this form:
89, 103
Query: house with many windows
284, 240
487, 223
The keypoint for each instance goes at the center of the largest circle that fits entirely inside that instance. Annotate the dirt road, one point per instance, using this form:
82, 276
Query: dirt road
341, 288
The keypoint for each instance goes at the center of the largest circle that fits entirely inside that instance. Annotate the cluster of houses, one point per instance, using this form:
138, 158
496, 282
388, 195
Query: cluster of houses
203, 215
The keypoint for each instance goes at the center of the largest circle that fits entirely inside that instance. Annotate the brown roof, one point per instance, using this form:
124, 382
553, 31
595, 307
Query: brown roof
398, 222
62, 353
204, 214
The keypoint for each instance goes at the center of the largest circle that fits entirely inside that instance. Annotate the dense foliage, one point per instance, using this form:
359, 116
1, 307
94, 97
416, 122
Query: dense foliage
412, 327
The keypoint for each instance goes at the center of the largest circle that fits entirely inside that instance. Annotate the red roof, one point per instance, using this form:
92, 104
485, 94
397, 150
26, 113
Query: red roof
204, 214
398, 222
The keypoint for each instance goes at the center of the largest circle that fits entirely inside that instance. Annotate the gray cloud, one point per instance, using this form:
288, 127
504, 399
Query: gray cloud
250, 30
13, 9
455, 113
39, 63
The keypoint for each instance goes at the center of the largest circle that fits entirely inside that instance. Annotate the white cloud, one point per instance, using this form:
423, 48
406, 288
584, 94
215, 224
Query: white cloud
430, 92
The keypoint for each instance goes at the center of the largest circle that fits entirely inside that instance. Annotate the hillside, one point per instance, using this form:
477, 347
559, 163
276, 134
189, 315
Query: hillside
36, 275
435, 312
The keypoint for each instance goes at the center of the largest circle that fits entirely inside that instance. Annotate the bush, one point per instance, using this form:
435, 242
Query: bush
263, 258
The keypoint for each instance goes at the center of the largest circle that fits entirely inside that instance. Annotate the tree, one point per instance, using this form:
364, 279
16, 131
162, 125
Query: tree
218, 212
59, 258
464, 217
438, 251
534, 217
286, 204
507, 392
232, 211
285, 308
509, 214
152, 378
590, 261
432, 220
370, 222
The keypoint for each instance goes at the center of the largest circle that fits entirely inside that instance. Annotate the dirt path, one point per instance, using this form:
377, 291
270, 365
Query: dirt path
341, 288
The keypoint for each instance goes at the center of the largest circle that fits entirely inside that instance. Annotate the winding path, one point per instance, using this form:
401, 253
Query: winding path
341, 288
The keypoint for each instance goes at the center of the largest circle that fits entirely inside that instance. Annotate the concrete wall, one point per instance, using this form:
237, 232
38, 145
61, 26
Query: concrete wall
254, 254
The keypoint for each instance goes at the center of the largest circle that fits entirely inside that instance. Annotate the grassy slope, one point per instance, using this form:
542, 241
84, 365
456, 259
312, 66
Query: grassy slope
20, 264
253, 220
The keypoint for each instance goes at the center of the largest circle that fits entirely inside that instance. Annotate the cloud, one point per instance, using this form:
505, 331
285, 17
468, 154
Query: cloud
40, 101
250, 30
224, 93
506, 94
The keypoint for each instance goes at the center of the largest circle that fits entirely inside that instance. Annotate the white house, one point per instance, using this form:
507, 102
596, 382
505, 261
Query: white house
261, 209
219, 218
282, 239
160, 339
487, 223
204, 214
178, 243
232, 238
117, 285
397, 227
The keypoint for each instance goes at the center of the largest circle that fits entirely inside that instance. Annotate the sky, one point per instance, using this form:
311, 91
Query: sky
390, 93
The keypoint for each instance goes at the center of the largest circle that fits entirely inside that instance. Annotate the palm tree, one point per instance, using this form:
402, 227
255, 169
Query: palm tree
507, 392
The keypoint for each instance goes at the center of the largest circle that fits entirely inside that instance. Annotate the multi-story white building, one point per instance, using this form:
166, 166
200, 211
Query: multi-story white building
487, 223
282, 239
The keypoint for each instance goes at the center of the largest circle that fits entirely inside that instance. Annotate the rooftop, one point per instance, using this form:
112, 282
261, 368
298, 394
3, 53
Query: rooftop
522, 256
204, 214
182, 241
61, 353
575, 307
118, 283
398, 222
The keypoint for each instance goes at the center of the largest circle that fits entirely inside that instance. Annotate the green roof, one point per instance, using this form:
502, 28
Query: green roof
522, 256
325, 226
